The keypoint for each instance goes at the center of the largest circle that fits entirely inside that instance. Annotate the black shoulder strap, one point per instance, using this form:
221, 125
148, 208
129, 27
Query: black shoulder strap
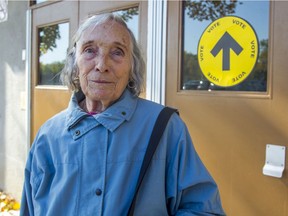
155, 137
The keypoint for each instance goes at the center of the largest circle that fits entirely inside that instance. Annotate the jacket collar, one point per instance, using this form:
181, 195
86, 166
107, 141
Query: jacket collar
122, 110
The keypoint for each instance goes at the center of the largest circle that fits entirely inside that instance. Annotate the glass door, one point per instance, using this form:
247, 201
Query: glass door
51, 33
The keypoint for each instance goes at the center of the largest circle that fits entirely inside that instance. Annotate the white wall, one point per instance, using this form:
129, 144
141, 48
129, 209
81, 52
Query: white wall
13, 126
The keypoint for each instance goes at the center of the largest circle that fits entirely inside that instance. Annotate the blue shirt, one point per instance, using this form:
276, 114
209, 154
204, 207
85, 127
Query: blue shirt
86, 165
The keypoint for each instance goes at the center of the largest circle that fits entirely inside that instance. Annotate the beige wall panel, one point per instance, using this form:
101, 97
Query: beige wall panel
47, 104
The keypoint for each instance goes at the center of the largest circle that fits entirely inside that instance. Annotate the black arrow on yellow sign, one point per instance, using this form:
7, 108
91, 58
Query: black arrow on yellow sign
226, 43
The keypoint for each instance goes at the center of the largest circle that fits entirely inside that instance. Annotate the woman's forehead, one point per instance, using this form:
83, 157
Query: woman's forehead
109, 32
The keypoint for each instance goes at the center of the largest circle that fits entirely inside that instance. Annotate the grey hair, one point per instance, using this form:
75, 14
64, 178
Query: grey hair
69, 74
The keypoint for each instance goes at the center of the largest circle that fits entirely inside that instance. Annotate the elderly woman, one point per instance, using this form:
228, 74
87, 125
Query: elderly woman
86, 160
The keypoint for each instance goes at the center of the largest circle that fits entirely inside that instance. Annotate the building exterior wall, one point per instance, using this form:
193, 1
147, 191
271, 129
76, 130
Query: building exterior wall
245, 190
13, 121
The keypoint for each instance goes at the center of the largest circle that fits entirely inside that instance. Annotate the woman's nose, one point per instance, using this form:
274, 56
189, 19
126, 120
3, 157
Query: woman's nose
101, 63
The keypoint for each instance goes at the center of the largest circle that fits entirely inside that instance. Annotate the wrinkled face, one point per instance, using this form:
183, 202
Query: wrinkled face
104, 59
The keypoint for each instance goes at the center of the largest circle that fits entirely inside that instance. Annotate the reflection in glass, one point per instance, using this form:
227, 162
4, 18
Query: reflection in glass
131, 17
39, 1
53, 45
3, 10
197, 15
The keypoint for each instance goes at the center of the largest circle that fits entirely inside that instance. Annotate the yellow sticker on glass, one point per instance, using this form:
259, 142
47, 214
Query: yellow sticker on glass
228, 51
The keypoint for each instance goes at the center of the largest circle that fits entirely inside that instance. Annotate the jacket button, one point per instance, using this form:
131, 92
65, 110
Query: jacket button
98, 192
77, 132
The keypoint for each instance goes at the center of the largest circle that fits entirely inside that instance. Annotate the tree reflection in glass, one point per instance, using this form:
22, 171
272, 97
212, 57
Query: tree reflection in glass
52, 47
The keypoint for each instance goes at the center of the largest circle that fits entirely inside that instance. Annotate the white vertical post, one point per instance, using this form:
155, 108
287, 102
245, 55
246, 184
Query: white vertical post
156, 50
28, 77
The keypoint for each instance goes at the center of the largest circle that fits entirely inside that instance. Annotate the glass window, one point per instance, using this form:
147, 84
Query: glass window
39, 1
53, 46
201, 16
131, 17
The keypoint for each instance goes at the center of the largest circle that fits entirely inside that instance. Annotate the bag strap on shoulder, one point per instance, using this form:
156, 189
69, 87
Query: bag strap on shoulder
155, 137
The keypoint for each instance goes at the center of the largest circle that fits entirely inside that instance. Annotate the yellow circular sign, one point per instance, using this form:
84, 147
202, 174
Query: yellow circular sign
228, 51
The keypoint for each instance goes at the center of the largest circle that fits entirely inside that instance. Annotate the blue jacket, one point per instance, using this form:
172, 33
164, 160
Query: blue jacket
86, 165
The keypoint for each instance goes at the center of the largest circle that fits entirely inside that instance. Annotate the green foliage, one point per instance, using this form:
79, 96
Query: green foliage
210, 10
260, 70
49, 73
190, 67
129, 13
48, 36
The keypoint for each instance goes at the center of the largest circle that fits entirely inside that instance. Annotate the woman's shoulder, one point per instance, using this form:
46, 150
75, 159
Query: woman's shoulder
153, 109
149, 105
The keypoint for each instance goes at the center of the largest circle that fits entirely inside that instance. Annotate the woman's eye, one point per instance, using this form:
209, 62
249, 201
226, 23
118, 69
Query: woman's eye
89, 50
118, 52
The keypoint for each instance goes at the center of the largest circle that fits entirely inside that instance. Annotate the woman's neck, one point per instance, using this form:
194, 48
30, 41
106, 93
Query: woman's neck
92, 107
